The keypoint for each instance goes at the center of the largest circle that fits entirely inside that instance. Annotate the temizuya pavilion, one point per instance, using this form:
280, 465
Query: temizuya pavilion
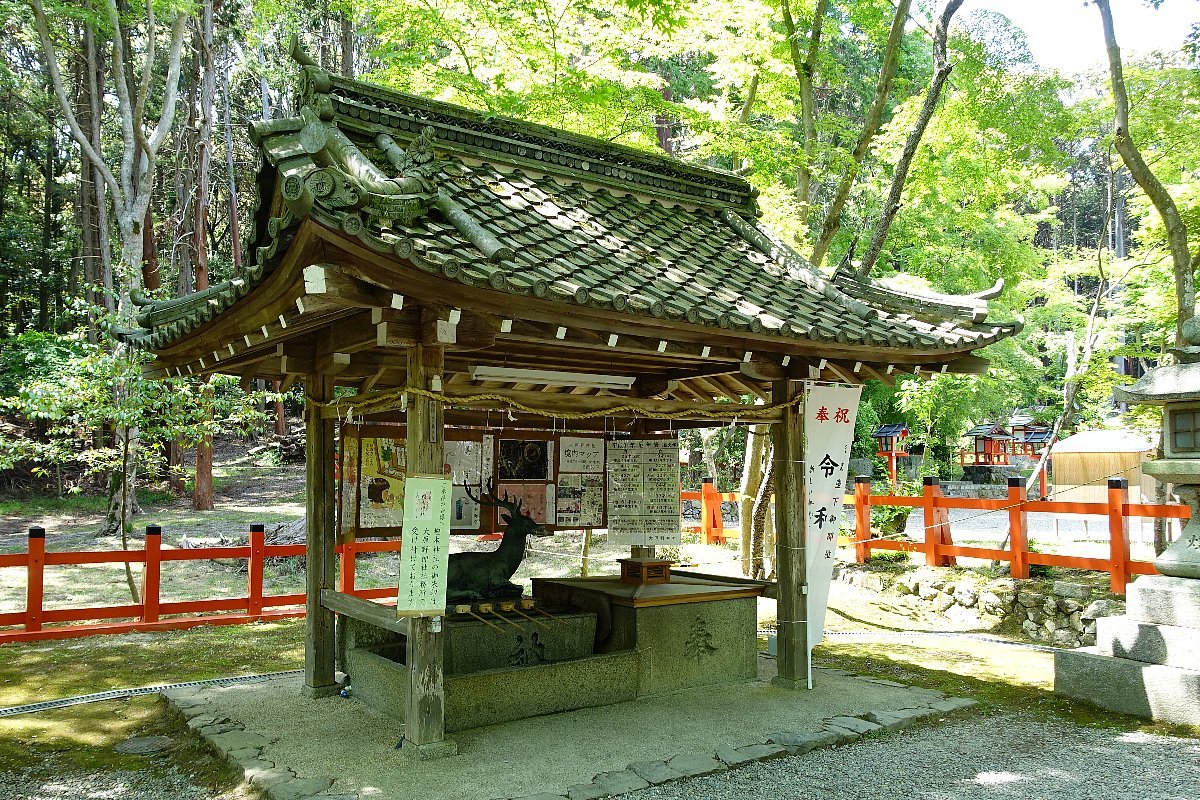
405, 243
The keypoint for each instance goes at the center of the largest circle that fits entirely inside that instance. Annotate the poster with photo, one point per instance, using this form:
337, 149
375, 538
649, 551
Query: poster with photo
424, 556
464, 512
381, 482
464, 460
348, 478
580, 500
525, 460
534, 497
643, 491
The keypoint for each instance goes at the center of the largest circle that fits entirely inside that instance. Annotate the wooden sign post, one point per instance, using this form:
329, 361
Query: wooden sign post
425, 712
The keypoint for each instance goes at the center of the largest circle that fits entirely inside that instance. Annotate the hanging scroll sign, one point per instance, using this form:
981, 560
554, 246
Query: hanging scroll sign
829, 416
425, 552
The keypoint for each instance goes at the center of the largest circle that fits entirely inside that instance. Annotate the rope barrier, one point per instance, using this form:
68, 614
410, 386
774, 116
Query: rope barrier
384, 401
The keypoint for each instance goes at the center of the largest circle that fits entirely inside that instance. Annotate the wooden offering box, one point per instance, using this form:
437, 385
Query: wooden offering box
644, 570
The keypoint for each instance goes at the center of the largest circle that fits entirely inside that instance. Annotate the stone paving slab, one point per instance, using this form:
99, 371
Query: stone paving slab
294, 748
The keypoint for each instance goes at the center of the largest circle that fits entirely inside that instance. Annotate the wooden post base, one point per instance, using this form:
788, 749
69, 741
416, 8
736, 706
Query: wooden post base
316, 692
428, 752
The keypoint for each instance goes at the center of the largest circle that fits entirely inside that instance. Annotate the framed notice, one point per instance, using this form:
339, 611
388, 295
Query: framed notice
425, 554
643, 491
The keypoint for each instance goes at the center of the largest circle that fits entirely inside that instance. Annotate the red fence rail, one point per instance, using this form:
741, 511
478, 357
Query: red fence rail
152, 613
940, 550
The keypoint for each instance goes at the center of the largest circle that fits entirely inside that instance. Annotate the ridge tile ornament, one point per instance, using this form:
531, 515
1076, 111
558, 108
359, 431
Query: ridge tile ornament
1176, 387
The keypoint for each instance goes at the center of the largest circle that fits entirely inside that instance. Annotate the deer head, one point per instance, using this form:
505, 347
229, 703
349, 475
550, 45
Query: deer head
517, 520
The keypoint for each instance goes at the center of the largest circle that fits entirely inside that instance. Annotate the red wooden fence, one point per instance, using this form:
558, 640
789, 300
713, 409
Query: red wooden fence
712, 520
940, 550
149, 614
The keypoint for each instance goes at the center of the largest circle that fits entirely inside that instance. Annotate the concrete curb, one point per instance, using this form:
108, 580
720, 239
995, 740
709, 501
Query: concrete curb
244, 750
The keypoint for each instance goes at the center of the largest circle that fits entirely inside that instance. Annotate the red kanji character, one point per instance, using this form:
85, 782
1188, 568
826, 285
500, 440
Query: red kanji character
842, 415
822, 414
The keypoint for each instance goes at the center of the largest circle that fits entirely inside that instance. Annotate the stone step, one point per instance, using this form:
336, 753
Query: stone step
1147, 642
1150, 691
1164, 600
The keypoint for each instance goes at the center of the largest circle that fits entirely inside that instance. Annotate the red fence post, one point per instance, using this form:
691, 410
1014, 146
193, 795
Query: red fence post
151, 573
34, 579
1018, 528
862, 518
254, 571
710, 510
1118, 534
347, 565
931, 490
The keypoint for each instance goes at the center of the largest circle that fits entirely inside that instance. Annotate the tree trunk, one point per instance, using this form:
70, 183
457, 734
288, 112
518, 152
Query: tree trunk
883, 88
208, 88
202, 489
762, 504
806, 68
941, 71
347, 44
235, 238
752, 475
280, 415
1139, 170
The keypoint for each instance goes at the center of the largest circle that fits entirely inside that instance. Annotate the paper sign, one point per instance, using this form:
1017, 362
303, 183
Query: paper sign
425, 552
534, 499
577, 454
829, 416
643, 491
381, 482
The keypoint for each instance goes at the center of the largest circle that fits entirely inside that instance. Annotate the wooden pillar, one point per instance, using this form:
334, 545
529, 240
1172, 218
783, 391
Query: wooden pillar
790, 553
425, 711
318, 549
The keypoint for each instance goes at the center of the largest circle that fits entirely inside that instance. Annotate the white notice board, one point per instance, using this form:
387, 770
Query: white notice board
643, 491
425, 552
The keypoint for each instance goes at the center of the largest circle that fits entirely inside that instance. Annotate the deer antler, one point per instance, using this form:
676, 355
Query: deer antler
489, 498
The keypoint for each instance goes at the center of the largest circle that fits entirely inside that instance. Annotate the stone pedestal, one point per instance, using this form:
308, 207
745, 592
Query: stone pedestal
687, 633
1146, 663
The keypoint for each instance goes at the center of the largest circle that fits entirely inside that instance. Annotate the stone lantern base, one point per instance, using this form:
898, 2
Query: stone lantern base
1146, 663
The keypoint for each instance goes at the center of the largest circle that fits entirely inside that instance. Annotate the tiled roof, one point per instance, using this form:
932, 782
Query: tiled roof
890, 429
991, 430
530, 211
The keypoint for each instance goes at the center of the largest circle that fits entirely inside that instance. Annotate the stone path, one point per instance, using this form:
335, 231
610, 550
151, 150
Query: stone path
309, 749
1003, 757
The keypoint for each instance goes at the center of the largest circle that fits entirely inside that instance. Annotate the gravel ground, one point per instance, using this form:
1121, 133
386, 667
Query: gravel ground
999, 757
119, 785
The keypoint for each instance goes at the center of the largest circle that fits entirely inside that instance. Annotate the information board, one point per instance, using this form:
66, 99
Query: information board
643, 491
425, 554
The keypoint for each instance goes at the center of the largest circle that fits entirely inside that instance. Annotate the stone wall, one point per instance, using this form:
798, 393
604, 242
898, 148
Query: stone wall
1059, 613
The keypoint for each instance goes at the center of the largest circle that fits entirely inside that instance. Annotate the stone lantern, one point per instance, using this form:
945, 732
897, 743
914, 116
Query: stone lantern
1147, 662
1176, 387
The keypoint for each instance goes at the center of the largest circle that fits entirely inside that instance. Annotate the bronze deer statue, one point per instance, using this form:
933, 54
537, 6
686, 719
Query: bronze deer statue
476, 576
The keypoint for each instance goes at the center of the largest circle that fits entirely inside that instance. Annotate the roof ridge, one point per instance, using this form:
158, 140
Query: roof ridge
369, 110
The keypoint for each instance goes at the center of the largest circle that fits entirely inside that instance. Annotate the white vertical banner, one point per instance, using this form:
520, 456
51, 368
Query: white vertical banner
829, 416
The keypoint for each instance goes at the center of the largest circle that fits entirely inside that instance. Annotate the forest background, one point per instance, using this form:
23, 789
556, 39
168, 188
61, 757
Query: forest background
917, 145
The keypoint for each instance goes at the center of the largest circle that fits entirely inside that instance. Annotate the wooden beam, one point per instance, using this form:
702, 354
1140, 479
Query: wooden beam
790, 555
380, 616
319, 540
333, 284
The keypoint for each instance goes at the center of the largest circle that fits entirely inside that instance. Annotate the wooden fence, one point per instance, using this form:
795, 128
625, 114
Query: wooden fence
940, 550
148, 615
